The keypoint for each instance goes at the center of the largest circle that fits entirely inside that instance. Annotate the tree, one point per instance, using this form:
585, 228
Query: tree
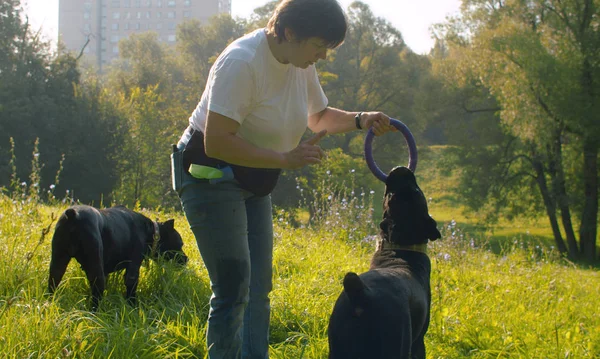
43, 100
539, 58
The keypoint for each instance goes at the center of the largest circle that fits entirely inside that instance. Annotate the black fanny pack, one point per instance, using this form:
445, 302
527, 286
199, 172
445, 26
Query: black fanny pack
260, 181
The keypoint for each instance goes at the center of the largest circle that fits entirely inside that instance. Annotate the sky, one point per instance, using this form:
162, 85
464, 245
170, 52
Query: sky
412, 17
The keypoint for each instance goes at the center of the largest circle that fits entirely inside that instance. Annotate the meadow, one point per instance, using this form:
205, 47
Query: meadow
515, 299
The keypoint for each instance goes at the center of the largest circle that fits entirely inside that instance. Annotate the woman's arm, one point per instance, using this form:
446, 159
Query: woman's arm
221, 142
339, 121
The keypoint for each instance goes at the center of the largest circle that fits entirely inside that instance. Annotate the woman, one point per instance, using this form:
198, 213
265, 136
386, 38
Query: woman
262, 93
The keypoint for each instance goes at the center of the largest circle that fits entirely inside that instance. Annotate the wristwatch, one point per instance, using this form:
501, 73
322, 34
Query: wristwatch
357, 120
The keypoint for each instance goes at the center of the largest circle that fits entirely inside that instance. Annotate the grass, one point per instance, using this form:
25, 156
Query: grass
496, 294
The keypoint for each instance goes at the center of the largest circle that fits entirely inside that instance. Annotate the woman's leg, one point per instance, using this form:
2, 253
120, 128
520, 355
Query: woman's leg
217, 216
260, 241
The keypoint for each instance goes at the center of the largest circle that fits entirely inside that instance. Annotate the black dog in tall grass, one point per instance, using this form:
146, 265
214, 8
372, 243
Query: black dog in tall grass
384, 313
107, 240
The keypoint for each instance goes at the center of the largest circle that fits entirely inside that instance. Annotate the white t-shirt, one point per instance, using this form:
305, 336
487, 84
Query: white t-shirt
270, 100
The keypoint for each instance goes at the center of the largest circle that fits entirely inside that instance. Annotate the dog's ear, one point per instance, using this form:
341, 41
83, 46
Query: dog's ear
170, 224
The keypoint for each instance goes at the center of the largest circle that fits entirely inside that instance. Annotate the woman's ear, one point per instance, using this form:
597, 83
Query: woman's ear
289, 35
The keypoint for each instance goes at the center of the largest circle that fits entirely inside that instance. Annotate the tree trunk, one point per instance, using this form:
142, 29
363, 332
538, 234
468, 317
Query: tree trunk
589, 217
550, 205
560, 193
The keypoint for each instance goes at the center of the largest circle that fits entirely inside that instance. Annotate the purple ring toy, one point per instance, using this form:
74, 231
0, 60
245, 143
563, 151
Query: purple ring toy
410, 141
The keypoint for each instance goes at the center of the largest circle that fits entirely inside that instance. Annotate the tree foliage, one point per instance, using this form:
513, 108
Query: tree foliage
539, 59
44, 100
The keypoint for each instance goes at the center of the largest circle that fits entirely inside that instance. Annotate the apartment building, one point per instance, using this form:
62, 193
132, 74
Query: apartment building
100, 24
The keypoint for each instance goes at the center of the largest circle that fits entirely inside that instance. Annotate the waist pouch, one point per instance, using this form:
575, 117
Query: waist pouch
176, 169
260, 181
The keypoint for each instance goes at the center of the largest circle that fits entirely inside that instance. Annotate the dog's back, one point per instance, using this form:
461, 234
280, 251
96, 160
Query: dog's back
379, 310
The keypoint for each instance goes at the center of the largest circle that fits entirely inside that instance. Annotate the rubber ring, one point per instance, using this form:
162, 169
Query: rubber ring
410, 141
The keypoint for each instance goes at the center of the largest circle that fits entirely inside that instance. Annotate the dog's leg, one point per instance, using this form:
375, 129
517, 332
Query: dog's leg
93, 265
418, 348
58, 266
97, 281
396, 341
132, 275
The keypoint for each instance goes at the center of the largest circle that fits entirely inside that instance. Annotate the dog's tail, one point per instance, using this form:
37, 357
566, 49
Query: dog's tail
356, 291
71, 214
63, 233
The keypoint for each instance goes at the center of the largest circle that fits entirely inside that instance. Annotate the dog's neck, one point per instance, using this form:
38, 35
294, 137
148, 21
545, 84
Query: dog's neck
422, 248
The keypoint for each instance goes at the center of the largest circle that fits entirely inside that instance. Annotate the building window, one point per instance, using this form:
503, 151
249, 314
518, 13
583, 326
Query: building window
87, 7
171, 3
114, 26
126, 3
187, 3
148, 15
86, 15
116, 3
187, 14
159, 26
139, 15
158, 3
116, 15
172, 26
128, 15
138, 3
126, 26
158, 14
114, 38
148, 3
87, 28
137, 26
171, 14
115, 49
171, 38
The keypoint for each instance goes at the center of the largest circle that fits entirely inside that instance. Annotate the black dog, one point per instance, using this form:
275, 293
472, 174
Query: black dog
107, 240
384, 313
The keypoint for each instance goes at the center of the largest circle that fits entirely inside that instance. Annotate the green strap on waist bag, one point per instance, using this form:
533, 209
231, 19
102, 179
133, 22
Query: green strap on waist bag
204, 172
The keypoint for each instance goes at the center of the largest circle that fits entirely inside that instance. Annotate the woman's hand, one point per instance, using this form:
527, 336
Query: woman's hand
307, 153
379, 121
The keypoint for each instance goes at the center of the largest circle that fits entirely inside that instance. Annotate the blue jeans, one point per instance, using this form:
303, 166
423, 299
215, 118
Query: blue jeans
234, 233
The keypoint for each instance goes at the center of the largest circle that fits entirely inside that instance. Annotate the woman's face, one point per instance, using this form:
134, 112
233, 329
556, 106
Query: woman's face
302, 54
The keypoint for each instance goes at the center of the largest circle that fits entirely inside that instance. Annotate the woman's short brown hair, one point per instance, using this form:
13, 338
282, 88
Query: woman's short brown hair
323, 19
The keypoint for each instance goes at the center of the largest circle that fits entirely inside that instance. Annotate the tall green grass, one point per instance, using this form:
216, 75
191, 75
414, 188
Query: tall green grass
519, 301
